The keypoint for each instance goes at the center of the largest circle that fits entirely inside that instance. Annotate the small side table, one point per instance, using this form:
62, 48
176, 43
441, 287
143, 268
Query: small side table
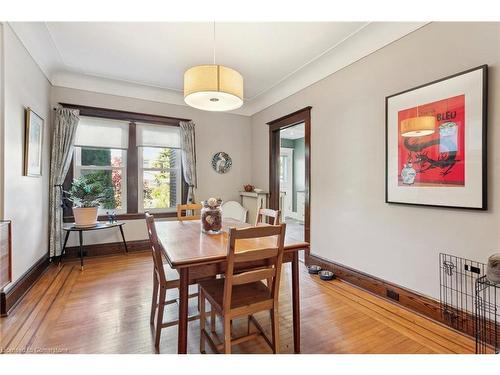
80, 230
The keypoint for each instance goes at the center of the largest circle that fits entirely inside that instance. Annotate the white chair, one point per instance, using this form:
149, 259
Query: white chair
234, 210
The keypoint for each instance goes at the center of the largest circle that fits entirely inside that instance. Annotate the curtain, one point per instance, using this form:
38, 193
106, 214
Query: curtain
188, 156
63, 139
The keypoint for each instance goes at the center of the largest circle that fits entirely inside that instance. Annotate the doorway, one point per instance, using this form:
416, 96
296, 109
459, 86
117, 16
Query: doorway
289, 172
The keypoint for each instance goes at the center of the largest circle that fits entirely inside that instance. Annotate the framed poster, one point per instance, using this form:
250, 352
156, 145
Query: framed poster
33, 144
436, 142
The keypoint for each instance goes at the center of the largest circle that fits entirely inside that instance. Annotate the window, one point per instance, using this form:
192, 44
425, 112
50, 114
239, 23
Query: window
283, 169
159, 167
101, 149
139, 161
109, 166
159, 180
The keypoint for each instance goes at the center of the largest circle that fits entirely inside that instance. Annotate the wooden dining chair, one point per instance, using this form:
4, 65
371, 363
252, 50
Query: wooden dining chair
266, 215
242, 292
195, 209
164, 278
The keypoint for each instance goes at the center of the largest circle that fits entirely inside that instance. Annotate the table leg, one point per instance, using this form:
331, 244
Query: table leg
63, 250
80, 233
123, 238
183, 310
296, 302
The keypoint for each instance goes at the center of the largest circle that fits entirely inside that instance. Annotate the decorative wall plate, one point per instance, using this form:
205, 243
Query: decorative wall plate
221, 162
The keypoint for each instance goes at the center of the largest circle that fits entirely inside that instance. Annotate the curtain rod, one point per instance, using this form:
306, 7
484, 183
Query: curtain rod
121, 114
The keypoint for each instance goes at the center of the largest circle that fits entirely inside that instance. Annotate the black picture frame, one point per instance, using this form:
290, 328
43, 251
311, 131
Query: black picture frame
484, 178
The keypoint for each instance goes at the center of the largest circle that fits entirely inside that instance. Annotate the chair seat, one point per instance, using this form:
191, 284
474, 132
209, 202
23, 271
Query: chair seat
256, 293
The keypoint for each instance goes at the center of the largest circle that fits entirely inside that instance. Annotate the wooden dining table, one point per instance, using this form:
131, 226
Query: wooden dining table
196, 255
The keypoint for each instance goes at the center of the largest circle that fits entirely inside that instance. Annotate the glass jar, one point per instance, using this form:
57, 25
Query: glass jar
211, 216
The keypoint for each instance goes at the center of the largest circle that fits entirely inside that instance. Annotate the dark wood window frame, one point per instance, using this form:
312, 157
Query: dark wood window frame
301, 116
132, 157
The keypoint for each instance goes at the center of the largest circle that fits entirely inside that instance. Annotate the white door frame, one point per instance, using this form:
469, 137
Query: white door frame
288, 188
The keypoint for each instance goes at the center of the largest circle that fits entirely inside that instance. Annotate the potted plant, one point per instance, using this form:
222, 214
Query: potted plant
87, 193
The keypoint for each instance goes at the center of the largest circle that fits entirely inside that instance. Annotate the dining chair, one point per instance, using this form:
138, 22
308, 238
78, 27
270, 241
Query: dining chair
195, 209
266, 215
164, 278
241, 292
234, 210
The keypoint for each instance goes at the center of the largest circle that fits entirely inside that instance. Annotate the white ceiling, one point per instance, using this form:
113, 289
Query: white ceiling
157, 54
293, 132
148, 60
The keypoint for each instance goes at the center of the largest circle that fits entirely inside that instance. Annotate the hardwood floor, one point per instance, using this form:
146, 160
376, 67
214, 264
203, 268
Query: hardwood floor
105, 309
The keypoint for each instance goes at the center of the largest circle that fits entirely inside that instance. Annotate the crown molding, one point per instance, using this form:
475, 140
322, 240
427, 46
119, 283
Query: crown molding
102, 85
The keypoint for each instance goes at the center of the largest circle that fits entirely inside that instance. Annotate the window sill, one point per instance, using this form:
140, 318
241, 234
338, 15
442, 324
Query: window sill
130, 216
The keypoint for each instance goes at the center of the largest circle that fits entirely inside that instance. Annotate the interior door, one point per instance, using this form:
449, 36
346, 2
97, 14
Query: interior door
286, 180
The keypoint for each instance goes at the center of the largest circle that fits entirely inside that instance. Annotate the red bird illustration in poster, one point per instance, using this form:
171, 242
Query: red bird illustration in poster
436, 159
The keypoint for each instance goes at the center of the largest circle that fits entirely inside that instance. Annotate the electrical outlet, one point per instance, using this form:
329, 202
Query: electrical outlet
473, 269
392, 295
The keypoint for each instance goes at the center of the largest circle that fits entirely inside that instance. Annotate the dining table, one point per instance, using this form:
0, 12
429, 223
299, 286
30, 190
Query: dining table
197, 255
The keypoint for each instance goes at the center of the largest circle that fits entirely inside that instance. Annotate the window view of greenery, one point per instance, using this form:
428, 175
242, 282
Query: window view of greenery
109, 175
160, 174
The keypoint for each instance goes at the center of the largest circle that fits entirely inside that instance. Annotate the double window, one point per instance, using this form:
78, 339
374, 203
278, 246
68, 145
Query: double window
139, 161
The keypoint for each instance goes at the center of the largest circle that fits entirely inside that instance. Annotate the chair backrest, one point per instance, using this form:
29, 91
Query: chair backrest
195, 209
266, 215
267, 260
155, 247
234, 210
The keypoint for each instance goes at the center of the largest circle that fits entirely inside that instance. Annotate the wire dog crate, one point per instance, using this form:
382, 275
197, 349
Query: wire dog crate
469, 303
487, 316
457, 280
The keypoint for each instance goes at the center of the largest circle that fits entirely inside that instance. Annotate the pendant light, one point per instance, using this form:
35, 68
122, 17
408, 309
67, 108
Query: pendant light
418, 126
213, 87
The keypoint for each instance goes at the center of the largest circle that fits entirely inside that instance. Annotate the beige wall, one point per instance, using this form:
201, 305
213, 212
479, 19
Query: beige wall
350, 222
25, 199
214, 132
2, 106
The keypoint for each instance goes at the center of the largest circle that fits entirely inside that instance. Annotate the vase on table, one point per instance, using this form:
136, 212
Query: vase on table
211, 216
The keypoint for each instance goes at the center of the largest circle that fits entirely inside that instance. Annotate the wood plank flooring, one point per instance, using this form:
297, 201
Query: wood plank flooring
105, 309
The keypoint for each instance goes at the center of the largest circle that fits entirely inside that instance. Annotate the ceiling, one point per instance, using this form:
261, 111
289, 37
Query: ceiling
148, 60
293, 132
